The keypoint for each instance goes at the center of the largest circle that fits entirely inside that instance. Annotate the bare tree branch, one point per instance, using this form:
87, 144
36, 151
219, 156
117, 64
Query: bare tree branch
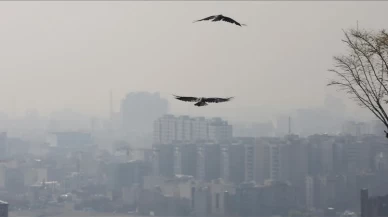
358, 73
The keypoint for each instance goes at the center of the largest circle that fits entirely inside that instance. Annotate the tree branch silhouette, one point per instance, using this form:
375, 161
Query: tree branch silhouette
363, 72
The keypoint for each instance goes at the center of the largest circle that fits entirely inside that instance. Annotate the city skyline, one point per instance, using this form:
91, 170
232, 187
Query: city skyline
89, 124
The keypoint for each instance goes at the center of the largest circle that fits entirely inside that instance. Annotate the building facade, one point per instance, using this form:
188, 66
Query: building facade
3, 209
3, 145
169, 129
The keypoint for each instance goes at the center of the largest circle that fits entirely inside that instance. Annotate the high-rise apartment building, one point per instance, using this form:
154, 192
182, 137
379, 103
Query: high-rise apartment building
208, 162
233, 162
200, 129
184, 131
163, 160
257, 159
185, 159
169, 129
219, 130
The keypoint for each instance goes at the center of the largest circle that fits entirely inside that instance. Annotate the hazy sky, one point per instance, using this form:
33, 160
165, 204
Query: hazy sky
58, 55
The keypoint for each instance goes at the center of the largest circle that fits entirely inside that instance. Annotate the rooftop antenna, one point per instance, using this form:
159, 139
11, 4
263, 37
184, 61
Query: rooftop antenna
289, 125
357, 25
111, 105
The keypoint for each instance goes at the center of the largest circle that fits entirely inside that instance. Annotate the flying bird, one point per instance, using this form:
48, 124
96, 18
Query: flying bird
220, 17
202, 101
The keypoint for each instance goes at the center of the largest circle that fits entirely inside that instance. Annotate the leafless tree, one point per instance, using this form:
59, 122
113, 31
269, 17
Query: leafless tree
363, 72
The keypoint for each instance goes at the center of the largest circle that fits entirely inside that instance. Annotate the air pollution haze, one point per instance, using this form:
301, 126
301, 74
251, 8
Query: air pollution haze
57, 55
131, 108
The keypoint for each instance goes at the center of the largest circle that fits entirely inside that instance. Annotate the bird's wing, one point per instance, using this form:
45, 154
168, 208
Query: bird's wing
218, 100
207, 18
230, 20
186, 98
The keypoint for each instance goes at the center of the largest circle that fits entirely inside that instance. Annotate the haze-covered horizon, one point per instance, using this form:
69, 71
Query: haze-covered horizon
69, 55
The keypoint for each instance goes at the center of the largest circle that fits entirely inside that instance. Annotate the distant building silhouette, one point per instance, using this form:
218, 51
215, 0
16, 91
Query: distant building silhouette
3, 145
257, 160
163, 160
355, 128
233, 162
3, 209
140, 109
69, 139
373, 206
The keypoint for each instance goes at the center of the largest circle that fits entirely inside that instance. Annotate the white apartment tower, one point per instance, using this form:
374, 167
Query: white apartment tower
279, 161
169, 129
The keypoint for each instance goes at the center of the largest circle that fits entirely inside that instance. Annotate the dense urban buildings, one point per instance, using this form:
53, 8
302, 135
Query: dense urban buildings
197, 167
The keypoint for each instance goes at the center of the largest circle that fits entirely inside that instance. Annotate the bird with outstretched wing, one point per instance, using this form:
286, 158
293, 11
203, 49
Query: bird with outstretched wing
202, 101
221, 17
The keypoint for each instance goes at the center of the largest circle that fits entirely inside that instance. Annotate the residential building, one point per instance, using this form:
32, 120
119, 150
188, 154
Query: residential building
3, 209
185, 159
3, 145
373, 206
279, 161
184, 129
200, 127
208, 161
163, 160
257, 159
169, 129
219, 130
355, 128
233, 162
69, 139
219, 192
273, 198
